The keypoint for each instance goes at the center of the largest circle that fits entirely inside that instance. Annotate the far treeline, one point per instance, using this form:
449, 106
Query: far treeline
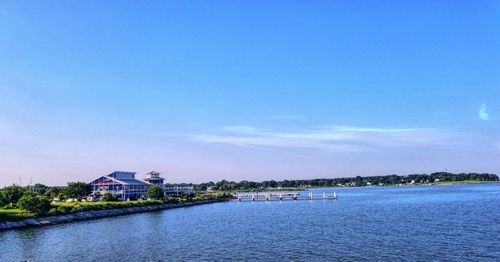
225, 185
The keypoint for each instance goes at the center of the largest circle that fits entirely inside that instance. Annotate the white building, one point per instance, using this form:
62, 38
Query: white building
121, 184
125, 186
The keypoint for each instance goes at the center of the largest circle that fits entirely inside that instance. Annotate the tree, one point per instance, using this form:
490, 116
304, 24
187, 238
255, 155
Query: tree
109, 197
33, 203
155, 192
39, 189
97, 195
77, 190
3, 199
12, 194
53, 192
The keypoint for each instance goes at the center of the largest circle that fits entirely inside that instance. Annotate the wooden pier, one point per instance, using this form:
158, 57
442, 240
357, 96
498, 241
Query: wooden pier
281, 196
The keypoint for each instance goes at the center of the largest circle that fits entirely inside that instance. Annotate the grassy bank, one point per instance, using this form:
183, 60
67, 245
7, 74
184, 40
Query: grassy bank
75, 207
15, 215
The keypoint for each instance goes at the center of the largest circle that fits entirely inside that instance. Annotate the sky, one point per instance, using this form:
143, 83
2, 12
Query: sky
247, 90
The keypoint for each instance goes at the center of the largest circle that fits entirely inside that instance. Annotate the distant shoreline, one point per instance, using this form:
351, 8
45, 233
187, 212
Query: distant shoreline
390, 185
304, 184
419, 184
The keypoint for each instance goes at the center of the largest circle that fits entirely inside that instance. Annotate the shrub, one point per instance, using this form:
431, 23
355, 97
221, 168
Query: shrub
64, 209
12, 194
155, 192
173, 200
53, 212
77, 190
33, 203
3, 199
109, 197
39, 189
54, 192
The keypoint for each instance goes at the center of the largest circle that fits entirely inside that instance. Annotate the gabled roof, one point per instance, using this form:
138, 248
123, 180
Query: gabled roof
106, 179
154, 178
122, 175
130, 182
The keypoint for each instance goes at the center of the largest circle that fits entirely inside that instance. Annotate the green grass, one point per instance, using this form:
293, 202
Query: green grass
14, 215
75, 207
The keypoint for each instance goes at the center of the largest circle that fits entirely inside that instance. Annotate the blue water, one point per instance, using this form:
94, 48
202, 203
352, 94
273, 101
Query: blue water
420, 223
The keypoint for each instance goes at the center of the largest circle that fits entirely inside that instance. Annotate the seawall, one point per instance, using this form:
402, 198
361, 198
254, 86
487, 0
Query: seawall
87, 215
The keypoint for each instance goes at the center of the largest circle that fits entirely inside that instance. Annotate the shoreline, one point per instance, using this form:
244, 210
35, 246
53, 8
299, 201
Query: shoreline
97, 214
466, 182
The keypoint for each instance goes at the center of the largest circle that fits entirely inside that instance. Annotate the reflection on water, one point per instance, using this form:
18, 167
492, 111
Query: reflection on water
456, 222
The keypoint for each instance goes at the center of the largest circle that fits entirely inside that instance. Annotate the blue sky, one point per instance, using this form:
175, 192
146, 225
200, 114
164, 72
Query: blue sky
209, 90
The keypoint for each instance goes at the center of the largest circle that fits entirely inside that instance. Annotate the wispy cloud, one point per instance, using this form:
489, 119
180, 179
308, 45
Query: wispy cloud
338, 138
482, 113
284, 117
440, 113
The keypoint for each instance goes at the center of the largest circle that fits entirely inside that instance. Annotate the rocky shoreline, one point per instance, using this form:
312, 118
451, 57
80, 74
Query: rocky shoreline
87, 215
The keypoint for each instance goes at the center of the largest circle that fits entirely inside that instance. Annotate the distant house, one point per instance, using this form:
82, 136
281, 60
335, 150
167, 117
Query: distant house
125, 186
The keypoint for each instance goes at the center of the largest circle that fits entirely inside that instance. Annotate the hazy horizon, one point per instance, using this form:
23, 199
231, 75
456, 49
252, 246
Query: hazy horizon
205, 91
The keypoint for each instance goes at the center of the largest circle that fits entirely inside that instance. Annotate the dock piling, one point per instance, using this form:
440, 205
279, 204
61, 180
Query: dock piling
281, 196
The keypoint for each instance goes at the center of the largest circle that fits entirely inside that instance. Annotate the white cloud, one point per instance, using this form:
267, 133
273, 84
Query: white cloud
284, 117
482, 113
338, 138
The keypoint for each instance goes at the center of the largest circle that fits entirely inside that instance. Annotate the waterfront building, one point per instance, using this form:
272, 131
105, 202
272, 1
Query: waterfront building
122, 184
125, 186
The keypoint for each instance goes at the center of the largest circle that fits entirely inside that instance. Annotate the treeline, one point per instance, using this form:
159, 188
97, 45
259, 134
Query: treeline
37, 199
225, 185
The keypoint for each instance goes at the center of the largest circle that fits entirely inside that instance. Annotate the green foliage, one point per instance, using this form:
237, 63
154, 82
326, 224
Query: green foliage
61, 196
75, 207
34, 203
11, 194
155, 192
109, 197
14, 215
67, 208
172, 200
244, 185
39, 189
53, 192
198, 196
78, 190
3, 199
